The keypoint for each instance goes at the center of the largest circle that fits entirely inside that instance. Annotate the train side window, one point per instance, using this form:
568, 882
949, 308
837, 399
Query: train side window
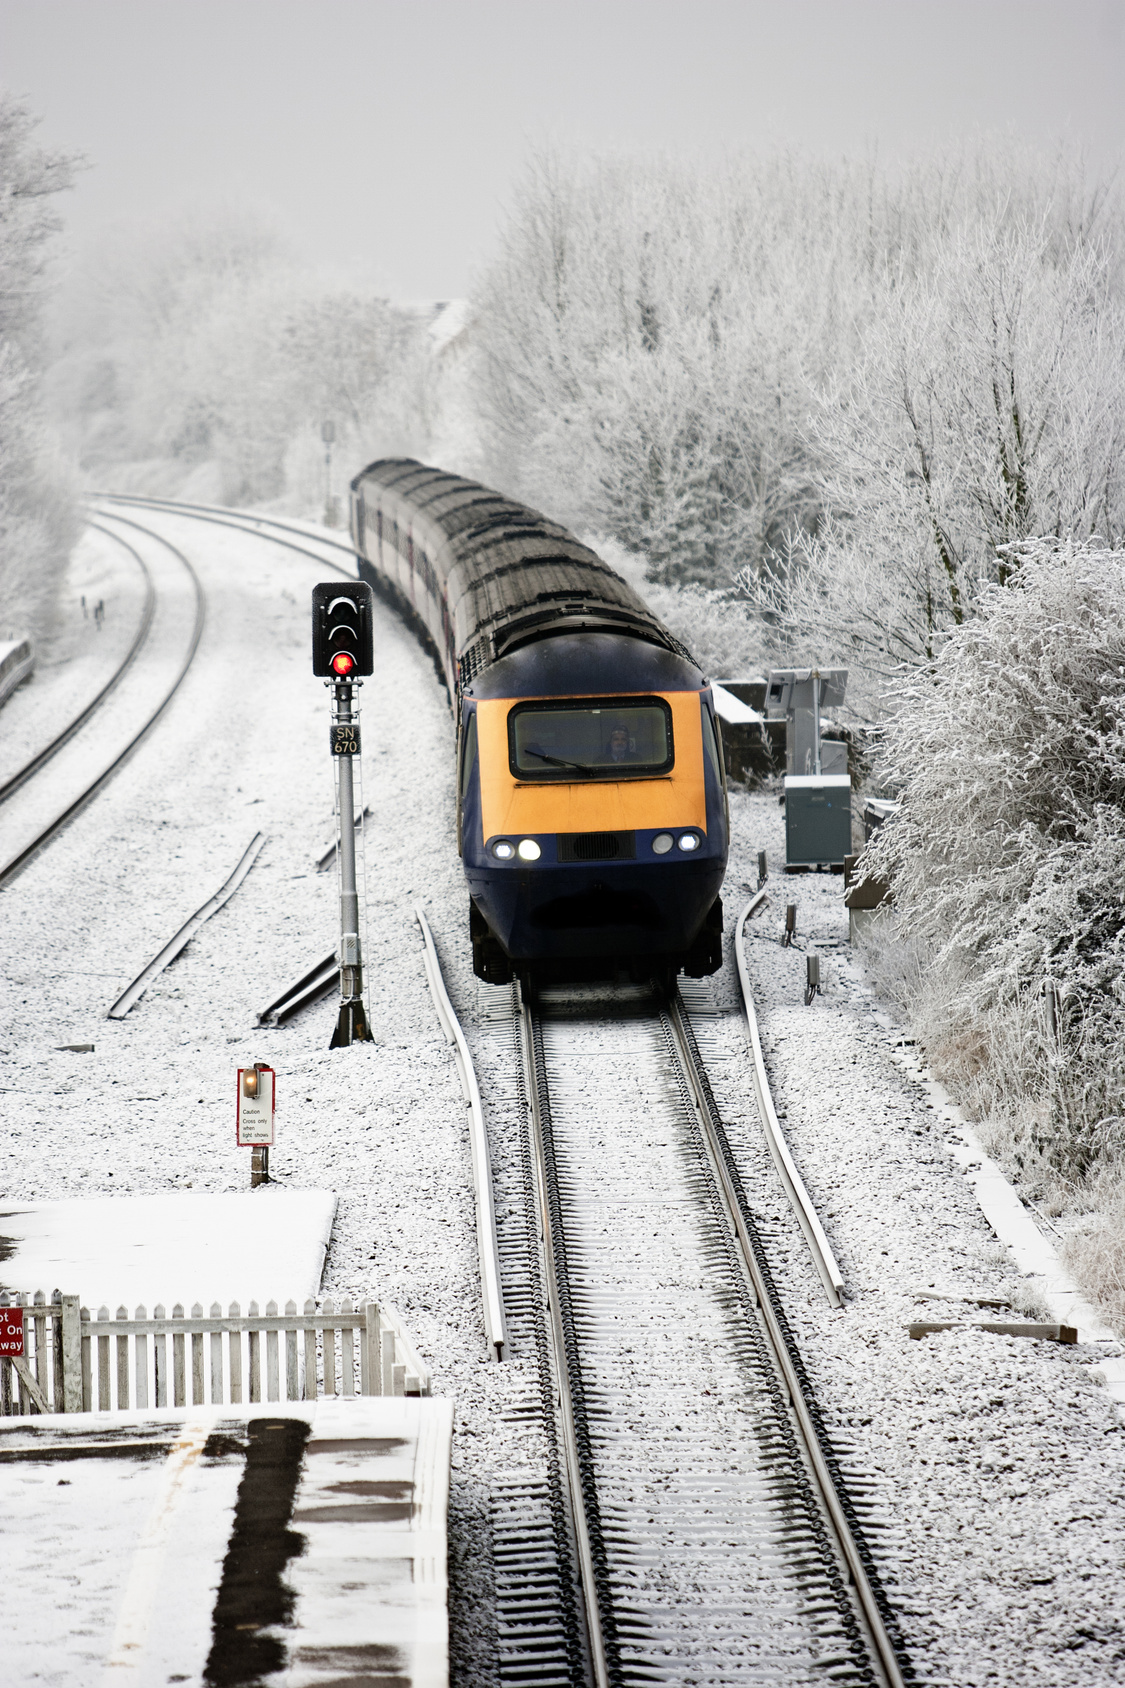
468, 755
712, 747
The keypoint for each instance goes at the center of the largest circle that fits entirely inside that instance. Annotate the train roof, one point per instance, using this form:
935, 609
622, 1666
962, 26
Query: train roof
509, 575
586, 664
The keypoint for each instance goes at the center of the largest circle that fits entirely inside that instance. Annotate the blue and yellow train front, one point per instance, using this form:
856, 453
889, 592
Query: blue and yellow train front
593, 821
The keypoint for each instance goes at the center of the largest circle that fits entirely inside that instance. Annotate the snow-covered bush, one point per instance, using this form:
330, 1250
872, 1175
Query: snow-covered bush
37, 512
848, 387
1007, 858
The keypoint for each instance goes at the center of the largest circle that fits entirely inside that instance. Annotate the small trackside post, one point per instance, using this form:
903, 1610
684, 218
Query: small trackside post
812, 978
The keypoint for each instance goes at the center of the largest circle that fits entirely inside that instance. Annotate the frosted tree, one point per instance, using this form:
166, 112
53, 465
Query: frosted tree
987, 408
646, 337
204, 349
37, 520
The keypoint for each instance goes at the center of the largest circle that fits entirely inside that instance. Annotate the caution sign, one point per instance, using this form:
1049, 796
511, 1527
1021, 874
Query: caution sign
11, 1332
255, 1108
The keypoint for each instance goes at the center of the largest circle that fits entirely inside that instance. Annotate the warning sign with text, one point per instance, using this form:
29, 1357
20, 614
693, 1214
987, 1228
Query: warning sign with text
11, 1332
255, 1107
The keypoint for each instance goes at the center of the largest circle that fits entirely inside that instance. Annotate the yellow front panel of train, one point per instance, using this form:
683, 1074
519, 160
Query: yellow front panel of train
670, 800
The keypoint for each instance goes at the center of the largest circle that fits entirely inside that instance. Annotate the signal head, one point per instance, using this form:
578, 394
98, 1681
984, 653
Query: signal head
343, 643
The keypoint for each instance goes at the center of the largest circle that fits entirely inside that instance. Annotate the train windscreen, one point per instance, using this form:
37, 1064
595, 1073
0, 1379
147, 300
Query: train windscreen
596, 738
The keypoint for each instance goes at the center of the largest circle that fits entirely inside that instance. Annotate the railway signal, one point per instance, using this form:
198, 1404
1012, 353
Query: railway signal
343, 651
343, 640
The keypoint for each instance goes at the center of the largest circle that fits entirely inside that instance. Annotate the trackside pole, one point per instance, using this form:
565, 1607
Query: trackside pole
351, 1026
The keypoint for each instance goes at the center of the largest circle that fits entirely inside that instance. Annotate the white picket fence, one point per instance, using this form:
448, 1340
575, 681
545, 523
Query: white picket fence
74, 1362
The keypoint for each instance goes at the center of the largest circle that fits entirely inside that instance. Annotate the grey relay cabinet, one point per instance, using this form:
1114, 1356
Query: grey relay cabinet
818, 820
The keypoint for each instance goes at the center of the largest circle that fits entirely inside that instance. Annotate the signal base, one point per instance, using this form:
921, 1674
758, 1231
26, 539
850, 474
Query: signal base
351, 1026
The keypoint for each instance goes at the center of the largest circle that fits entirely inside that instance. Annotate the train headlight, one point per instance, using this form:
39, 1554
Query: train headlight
503, 849
529, 850
662, 843
688, 841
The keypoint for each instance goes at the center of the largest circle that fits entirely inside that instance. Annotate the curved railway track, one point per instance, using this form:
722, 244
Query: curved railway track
31, 767
45, 834
266, 527
820, 1248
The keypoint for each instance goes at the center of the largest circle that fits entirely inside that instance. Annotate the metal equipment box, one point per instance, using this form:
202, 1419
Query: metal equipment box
818, 820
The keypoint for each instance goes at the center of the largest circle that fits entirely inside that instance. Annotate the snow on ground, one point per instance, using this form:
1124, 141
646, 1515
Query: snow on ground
70, 1529
245, 746
179, 1246
1001, 1461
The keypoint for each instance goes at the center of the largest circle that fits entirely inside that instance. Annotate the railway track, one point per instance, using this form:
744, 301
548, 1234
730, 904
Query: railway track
34, 763
107, 518
42, 834
265, 527
685, 1517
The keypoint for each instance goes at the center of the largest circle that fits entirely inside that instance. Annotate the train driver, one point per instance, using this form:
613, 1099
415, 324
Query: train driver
619, 748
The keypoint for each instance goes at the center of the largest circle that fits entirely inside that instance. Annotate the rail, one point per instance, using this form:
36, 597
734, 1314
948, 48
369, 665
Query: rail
585, 1523
819, 1246
488, 1252
577, 1414
18, 862
789, 1366
311, 987
187, 931
241, 521
42, 757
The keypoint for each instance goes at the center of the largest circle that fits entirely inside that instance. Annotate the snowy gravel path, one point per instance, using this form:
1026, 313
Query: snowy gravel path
1000, 1463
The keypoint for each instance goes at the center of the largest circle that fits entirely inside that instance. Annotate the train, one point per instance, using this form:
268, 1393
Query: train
592, 814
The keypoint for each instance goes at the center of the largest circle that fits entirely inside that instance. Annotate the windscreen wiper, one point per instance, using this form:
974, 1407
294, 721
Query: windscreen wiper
558, 761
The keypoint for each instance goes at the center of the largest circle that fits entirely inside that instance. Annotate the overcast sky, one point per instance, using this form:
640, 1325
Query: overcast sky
385, 135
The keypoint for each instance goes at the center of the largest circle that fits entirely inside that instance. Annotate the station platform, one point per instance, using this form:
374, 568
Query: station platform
295, 1543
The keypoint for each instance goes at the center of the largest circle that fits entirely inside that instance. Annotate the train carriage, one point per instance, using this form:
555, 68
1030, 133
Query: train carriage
591, 814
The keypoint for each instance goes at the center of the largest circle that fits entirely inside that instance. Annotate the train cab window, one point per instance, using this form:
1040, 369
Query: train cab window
590, 738
468, 754
713, 747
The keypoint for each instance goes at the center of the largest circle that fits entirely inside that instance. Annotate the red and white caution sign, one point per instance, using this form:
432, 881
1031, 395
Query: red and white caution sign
255, 1108
11, 1332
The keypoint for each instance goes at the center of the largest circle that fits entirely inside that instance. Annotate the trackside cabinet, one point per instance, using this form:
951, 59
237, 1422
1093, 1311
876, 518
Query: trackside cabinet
818, 820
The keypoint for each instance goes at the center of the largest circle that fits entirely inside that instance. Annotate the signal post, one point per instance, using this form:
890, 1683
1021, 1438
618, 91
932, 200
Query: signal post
343, 652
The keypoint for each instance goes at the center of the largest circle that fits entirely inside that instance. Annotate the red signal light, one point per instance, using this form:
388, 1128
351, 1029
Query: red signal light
342, 664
